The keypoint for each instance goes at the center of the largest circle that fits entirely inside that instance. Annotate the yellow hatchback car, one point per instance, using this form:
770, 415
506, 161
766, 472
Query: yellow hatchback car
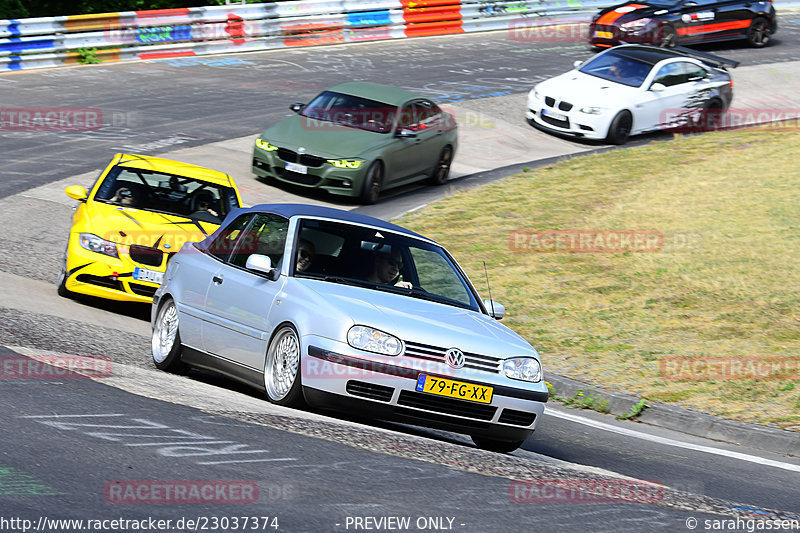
137, 214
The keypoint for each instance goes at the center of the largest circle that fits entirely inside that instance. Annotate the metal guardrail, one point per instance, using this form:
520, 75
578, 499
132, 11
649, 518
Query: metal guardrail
48, 42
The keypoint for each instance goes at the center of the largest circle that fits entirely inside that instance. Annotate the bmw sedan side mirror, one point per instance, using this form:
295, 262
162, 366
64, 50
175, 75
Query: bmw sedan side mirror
296, 107
657, 87
496, 310
263, 264
405, 133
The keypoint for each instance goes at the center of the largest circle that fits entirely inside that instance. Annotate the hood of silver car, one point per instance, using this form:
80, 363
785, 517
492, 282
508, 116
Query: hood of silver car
421, 321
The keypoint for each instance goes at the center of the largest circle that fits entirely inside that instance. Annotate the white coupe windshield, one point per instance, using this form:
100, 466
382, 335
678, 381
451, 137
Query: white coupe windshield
617, 68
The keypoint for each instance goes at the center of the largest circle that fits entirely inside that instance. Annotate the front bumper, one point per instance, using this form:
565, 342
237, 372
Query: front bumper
320, 174
572, 122
385, 387
112, 278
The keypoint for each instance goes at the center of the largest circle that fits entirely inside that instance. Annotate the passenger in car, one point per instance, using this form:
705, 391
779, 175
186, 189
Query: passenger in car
305, 255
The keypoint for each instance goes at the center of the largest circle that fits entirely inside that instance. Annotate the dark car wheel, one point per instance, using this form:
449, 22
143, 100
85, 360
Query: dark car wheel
373, 182
668, 37
166, 341
710, 118
62, 278
758, 33
620, 128
442, 170
499, 446
282, 368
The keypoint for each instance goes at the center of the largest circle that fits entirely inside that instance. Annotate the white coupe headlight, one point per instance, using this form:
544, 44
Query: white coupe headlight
373, 340
523, 369
93, 243
592, 110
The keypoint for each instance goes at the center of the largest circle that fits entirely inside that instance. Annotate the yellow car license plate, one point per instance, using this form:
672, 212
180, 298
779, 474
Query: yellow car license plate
454, 389
603, 34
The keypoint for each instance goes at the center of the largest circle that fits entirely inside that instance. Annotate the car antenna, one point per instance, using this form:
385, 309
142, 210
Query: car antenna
491, 302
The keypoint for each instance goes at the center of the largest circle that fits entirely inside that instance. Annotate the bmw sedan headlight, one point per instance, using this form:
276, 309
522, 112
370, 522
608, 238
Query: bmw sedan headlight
636, 25
346, 163
264, 145
592, 110
373, 340
93, 243
523, 369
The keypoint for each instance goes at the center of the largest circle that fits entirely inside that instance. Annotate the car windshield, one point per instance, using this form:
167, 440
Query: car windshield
663, 3
166, 193
380, 260
618, 68
351, 111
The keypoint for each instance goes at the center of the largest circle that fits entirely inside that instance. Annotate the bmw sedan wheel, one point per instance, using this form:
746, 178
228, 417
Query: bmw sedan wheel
373, 182
668, 37
442, 169
620, 128
758, 33
282, 368
166, 341
499, 446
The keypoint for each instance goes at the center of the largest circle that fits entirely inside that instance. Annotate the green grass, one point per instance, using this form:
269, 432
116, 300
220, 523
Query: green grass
725, 284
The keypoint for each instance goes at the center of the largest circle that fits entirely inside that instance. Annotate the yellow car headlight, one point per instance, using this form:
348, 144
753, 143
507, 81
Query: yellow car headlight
346, 163
264, 145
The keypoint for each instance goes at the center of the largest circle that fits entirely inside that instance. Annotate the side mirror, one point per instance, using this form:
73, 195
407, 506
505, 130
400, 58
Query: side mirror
577, 63
296, 107
263, 264
405, 133
499, 309
657, 87
76, 192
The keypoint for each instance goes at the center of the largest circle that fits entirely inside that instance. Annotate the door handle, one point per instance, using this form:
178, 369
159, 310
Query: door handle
217, 280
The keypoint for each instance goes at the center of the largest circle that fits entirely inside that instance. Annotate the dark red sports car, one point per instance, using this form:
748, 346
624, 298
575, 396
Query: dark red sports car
670, 22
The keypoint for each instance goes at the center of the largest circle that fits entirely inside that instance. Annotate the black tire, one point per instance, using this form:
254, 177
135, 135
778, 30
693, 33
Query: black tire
711, 116
758, 34
668, 37
282, 379
62, 278
373, 182
442, 169
620, 128
498, 446
165, 343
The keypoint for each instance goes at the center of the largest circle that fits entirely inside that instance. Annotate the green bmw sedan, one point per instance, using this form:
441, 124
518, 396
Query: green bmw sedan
356, 139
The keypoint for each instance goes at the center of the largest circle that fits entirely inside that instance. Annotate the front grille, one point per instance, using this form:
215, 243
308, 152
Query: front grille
308, 160
102, 281
517, 418
564, 106
555, 122
369, 390
448, 406
475, 361
550, 101
146, 255
296, 177
142, 290
441, 419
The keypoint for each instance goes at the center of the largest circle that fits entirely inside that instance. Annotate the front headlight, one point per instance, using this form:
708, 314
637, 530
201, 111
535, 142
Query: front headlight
93, 243
264, 145
372, 340
636, 25
523, 369
592, 110
346, 163
536, 94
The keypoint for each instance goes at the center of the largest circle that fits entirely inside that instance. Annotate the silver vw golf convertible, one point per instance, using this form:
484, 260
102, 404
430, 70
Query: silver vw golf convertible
342, 310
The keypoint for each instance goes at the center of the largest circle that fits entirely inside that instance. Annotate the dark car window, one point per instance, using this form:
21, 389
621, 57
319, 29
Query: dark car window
223, 242
671, 74
266, 235
617, 68
695, 72
352, 111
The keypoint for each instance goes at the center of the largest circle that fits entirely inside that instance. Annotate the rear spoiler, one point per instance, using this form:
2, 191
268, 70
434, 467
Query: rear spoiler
711, 59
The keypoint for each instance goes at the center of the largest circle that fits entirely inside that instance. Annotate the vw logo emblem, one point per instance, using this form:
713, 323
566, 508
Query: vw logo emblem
454, 357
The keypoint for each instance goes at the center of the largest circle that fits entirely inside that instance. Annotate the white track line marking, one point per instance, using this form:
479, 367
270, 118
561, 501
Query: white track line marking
669, 442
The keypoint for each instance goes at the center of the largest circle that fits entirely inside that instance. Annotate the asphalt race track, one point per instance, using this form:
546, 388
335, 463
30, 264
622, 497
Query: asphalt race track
70, 443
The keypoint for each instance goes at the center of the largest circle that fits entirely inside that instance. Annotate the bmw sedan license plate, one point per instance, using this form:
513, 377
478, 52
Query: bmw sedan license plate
296, 167
553, 114
143, 274
454, 389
